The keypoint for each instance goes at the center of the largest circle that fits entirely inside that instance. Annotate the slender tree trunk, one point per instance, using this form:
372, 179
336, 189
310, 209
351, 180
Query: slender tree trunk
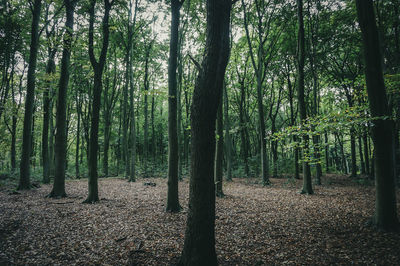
292, 123
145, 113
362, 164
353, 153
51, 140
307, 185
243, 127
199, 245
326, 152
24, 180
382, 133
132, 172
78, 138
263, 141
228, 141
61, 117
98, 67
173, 148
125, 94
50, 69
366, 152
219, 153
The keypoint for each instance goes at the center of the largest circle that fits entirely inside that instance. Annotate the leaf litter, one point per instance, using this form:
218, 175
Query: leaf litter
255, 225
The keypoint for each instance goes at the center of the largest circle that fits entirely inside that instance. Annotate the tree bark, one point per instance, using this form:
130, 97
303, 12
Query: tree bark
307, 185
61, 116
50, 69
146, 111
353, 153
173, 148
326, 153
366, 152
199, 244
382, 132
228, 141
362, 164
98, 67
24, 180
219, 153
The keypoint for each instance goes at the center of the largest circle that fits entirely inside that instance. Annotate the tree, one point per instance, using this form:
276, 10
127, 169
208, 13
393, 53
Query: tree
307, 186
98, 67
24, 179
173, 155
50, 69
385, 207
219, 152
199, 244
61, 118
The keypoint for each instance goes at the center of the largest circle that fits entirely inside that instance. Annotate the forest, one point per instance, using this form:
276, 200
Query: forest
199, 132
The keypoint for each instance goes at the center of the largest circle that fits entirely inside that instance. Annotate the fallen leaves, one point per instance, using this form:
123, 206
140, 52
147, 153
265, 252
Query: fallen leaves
254, 225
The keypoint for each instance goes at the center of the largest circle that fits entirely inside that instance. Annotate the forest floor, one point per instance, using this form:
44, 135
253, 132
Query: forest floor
255, 225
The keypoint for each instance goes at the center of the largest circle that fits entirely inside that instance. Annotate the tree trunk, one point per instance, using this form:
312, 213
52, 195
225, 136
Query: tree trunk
50, 69
362, 164
61, 116
146, 111
353, 153
366, 152
307, 185
292, 123
78, 137
173, 148
199, 244
132, 171
243, 128
326, 153
98, 67
228, 141
24, 179
382, 132
219, 153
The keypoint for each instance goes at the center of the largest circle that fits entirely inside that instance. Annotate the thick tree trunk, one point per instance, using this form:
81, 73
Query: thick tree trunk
307, 185
24, 179
199, 245
382, 132
61, 116
173, 148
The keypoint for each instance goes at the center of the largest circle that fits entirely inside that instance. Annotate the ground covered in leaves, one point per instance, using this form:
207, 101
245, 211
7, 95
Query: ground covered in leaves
255, 225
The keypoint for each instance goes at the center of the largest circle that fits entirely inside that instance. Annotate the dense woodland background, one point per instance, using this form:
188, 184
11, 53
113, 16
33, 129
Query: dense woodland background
95, 89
